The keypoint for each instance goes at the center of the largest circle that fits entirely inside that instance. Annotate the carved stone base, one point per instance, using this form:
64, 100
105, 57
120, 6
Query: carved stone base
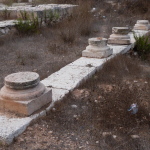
119, 42
26, 107
102, 54
120, 36
23, 94
142, 25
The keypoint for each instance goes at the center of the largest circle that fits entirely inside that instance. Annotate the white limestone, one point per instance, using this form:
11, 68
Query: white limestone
58, 94
62, 9
142, 25
120, 36
89, 62
6, 26
12, 127
69, 77
120, 48
97, 48
23, 94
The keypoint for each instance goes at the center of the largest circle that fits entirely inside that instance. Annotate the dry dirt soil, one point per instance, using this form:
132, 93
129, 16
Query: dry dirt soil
95, 116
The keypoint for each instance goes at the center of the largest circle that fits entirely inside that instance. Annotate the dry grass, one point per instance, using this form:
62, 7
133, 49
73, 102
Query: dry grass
100, 113
111, 92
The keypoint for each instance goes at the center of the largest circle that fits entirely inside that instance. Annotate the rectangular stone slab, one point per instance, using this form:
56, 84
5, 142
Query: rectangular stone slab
89, 62
141, 27
119, 42
12, 127
87, 53
26, 107
69, 77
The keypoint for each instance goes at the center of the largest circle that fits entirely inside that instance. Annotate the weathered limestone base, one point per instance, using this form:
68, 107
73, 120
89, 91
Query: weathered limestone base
102, 54
23, 93
142, 25
26, 107
119, 42
97, 48
120, 36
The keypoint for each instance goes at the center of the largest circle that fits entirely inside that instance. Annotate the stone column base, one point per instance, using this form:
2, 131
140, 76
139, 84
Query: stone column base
92, 54
141, 27
26, 107
119, 41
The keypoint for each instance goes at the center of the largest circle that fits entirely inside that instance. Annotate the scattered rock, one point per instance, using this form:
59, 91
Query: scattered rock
96, 101
135, 136
106, 133
35, 70
114, 136
78, 94
50, 132
30, 129
74, 106
106, 88
20, 140
53, 109
84, 107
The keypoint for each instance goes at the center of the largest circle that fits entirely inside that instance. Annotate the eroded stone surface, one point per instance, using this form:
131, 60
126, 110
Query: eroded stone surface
142, 25
143, 22
97, 48
23, 93
22, 80
120, 30
26, 107
120, 36
69, 77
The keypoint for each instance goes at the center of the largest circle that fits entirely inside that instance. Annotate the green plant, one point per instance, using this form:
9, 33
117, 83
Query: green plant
5, 14
51, 17
142, 47
24, 15
29, 25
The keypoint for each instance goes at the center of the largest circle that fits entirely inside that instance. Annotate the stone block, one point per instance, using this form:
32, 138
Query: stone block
23, 93
102, 54
97, 48
89, 62
142, 25
69, 77
120, 36
26, 107
119, 42
12, 127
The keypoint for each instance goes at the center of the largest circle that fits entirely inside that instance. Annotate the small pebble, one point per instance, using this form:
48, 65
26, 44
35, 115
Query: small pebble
114, 136
74, 106
96, 101
135, 136
53, 109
